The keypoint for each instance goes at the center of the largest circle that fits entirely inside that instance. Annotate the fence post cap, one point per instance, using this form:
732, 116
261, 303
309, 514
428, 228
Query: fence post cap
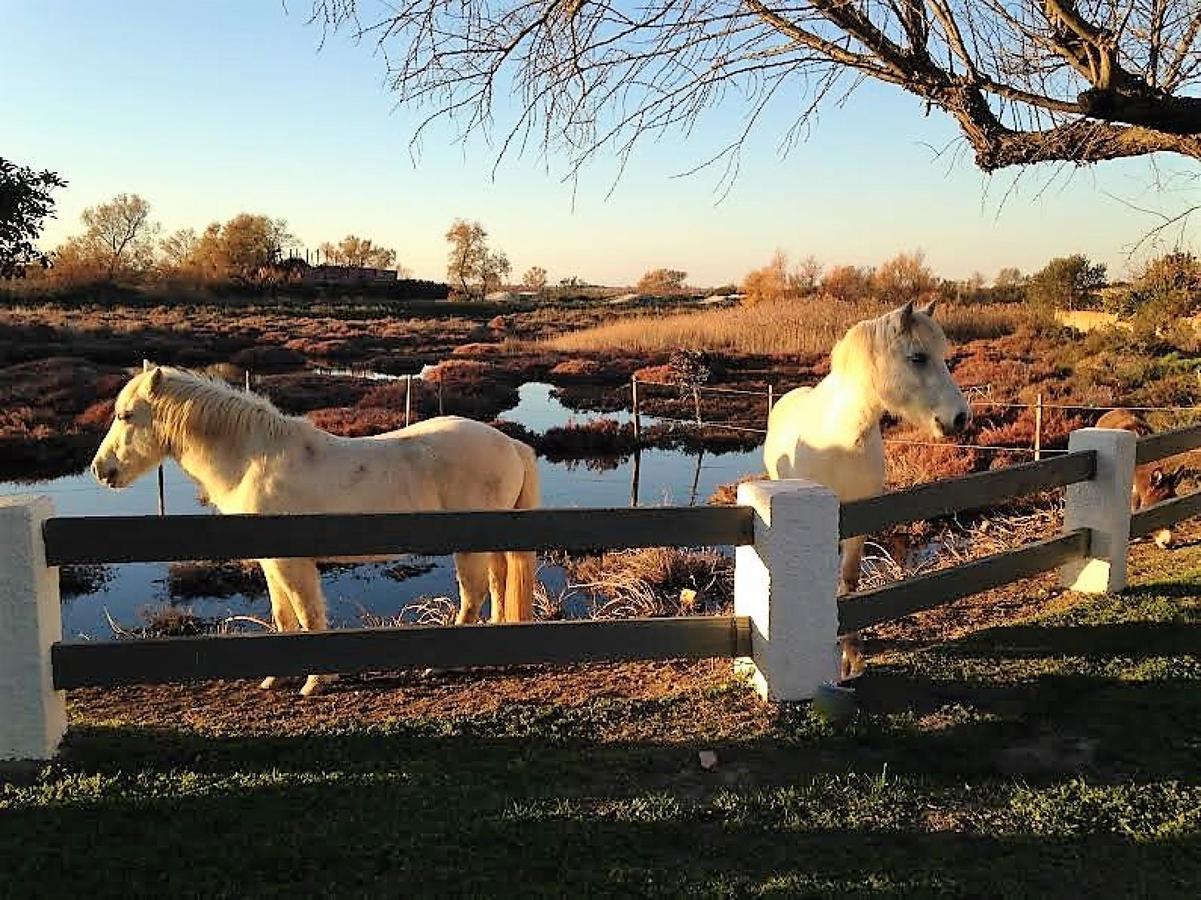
763, 493
13, 501
764, 487
1121, 435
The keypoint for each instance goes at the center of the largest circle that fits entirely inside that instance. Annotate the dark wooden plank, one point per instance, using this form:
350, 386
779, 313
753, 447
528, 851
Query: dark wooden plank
927, 591
1165, 514
114, 539
161, 660
1155, 447
940, 498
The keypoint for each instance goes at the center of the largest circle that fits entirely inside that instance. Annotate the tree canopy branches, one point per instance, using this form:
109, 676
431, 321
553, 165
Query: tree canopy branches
1026, 81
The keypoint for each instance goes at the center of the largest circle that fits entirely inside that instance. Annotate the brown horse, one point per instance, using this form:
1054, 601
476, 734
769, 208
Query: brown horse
1152, 483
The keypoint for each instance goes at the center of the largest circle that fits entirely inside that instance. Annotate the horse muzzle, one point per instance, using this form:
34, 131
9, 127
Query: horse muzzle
956, 424
107, 475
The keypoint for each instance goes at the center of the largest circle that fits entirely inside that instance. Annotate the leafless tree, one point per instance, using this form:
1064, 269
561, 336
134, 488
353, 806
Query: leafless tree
534, 279
1026, 81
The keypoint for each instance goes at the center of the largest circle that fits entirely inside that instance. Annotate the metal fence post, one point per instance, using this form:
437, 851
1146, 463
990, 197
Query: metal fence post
1101, 505
33, 715
787, 583
1038, 428
637, 416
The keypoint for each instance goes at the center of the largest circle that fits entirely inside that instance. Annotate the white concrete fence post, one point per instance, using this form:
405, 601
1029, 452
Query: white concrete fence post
1101, 505
787, 583
33, 715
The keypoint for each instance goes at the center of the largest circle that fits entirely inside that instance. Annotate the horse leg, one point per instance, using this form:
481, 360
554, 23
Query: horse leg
303, 585
852, 664
281, 614
498, 573
472, 572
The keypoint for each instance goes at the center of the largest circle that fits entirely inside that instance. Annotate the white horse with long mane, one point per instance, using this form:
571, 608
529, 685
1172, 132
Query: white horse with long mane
250, 458
830, 433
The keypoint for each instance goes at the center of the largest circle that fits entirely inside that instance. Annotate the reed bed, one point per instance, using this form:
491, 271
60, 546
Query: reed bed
810, 326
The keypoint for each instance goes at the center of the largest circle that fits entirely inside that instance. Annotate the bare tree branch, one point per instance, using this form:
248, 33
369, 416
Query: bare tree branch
1026, 81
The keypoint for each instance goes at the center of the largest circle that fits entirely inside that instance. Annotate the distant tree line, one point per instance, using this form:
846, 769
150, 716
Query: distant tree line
122, 244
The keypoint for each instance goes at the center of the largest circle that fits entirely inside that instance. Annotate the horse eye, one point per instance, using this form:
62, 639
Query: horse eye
124, 416
919, 359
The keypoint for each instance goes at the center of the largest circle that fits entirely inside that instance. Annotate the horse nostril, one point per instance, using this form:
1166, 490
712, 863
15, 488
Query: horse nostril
960, 422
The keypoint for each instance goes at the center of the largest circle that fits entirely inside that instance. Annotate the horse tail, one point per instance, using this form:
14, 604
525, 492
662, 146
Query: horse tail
521, 564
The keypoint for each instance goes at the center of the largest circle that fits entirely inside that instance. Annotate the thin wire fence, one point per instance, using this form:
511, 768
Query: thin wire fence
977, 397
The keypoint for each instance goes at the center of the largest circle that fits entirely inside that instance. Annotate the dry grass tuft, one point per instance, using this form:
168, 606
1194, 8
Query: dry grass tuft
929, 546
419, 611
175, 621
727, 494
657, 581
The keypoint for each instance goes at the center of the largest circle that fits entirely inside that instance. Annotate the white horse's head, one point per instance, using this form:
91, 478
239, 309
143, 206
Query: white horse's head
903, 356
132, 446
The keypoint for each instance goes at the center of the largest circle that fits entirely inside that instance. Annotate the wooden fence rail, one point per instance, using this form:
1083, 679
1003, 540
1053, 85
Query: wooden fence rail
161, 660
940, 498
893, 601
1161, 515
110, 539
1155, 447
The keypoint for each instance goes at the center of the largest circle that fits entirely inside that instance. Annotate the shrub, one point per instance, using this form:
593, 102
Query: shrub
1168, 287
777, 281
849, 284
903, 279
1067, 282
662, 282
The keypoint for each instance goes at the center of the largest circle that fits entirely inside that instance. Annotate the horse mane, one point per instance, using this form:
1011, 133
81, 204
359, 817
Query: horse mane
187, 404
856, 350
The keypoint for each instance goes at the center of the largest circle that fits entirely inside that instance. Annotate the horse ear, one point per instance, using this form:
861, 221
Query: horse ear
153, 380
147, 365
905, 316
928, 309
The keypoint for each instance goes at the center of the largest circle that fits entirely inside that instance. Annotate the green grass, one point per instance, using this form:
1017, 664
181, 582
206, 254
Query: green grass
1049, 758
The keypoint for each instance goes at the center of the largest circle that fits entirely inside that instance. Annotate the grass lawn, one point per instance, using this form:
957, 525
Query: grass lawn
1059, 756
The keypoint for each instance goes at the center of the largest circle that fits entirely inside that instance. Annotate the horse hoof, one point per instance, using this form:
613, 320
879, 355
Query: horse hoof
269, 683
315, 684
1163, 539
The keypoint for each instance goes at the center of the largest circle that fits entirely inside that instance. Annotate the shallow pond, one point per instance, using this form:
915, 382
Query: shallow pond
665, 477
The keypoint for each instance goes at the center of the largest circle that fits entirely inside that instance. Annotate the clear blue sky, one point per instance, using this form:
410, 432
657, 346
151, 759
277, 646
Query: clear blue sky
208, 108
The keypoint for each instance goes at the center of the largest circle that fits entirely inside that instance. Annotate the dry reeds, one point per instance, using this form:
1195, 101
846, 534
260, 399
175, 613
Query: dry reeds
806, 327
655, 581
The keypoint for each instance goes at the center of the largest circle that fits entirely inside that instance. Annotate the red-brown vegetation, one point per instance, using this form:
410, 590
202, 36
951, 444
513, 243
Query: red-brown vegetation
50, 422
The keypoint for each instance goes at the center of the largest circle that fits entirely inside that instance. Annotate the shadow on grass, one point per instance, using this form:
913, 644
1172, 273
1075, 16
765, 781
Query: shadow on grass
1136, 640
987, 767
500, 828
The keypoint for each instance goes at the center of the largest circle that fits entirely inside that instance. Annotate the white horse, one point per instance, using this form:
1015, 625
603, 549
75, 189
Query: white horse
250, 458
830, 433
